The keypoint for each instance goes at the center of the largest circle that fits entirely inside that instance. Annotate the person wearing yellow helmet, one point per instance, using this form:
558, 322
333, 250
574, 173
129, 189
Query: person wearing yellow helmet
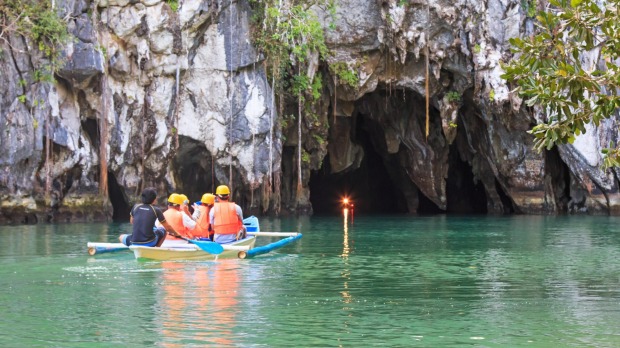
143, 217
226, 218
201, 215
178, 216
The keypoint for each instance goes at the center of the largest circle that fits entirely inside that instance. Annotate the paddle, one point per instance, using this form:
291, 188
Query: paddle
204, 245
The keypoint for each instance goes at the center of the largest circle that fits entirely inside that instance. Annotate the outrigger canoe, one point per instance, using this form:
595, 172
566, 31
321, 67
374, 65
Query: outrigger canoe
182, 250
192, 252
94, 248
242, 249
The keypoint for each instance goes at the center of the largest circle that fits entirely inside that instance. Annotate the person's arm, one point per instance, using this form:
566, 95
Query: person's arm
169, 229
239, 212
196, 214
189, 223
162, 220
131, 214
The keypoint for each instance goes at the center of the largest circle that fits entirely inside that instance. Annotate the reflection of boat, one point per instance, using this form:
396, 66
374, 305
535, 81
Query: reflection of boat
250, 223
199, 303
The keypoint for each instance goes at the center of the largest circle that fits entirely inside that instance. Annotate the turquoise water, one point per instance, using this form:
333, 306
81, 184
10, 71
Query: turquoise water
395, 281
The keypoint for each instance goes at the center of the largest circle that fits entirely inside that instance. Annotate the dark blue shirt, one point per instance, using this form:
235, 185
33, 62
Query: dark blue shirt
144, 216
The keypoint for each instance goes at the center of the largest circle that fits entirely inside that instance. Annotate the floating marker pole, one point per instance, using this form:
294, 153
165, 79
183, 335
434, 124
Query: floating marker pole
267, 248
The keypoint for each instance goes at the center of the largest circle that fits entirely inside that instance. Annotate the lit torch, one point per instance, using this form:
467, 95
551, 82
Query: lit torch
347, 206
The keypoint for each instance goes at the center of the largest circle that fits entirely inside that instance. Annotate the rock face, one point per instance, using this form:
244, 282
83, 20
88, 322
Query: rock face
180, 101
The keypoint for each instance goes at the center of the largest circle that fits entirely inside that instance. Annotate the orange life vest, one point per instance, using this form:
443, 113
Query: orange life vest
175, 219
202, 224
225, 219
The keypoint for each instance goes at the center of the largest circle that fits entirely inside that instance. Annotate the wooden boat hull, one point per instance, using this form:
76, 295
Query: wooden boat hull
191, 252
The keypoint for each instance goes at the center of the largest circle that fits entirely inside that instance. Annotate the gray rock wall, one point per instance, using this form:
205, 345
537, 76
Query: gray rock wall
180, 101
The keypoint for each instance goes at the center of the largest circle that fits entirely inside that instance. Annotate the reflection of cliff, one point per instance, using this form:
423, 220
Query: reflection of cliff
198, 304
180, 100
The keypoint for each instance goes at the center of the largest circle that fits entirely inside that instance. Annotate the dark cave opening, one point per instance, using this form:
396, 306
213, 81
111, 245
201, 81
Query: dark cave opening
370, 186
193, 169
118, 199
506, 202
464, 196
558, 172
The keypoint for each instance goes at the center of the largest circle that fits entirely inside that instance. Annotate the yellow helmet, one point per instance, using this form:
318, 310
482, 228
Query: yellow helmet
184, 198
208, 198
222, 190
175, 198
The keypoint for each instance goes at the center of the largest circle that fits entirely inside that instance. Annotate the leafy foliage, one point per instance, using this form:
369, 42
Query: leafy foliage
453, 97
37, 21
551, 71
290, 36
174, 5
344, 73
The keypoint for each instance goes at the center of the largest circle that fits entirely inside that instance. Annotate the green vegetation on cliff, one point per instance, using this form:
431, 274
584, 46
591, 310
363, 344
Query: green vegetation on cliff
291, 38
39, 24
570, 69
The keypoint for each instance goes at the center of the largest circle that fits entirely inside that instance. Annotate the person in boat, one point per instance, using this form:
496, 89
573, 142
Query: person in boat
178, 216
226, 218
143, 217
201, 216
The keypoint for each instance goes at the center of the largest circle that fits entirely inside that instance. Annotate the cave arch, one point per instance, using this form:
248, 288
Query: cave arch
193, 170
365, 169
370, 185
464, 194
120, 203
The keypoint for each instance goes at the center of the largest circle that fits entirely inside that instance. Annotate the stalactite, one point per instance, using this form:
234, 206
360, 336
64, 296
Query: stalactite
231, 96
277, 200
177, 100
213, 172
103, 119
299, 111
426, 50
272, 111
335, 97
103, 138
48, 159
142, 141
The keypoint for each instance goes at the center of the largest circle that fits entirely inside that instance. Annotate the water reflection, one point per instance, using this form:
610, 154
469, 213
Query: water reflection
346, 273
345, 243
199, 303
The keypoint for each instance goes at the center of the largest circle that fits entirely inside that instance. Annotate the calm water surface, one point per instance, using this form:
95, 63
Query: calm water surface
381, 281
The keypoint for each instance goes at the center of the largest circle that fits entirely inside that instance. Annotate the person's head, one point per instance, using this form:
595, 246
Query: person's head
184, 198
175, 200
222, 192
208, 199
148, 195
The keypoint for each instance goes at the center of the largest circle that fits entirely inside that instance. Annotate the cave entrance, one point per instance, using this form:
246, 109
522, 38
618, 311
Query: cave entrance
193, 169
370, 185
120, 205
464, 195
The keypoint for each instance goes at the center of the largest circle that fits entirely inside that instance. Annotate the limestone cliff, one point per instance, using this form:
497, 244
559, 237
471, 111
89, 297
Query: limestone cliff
180, 100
